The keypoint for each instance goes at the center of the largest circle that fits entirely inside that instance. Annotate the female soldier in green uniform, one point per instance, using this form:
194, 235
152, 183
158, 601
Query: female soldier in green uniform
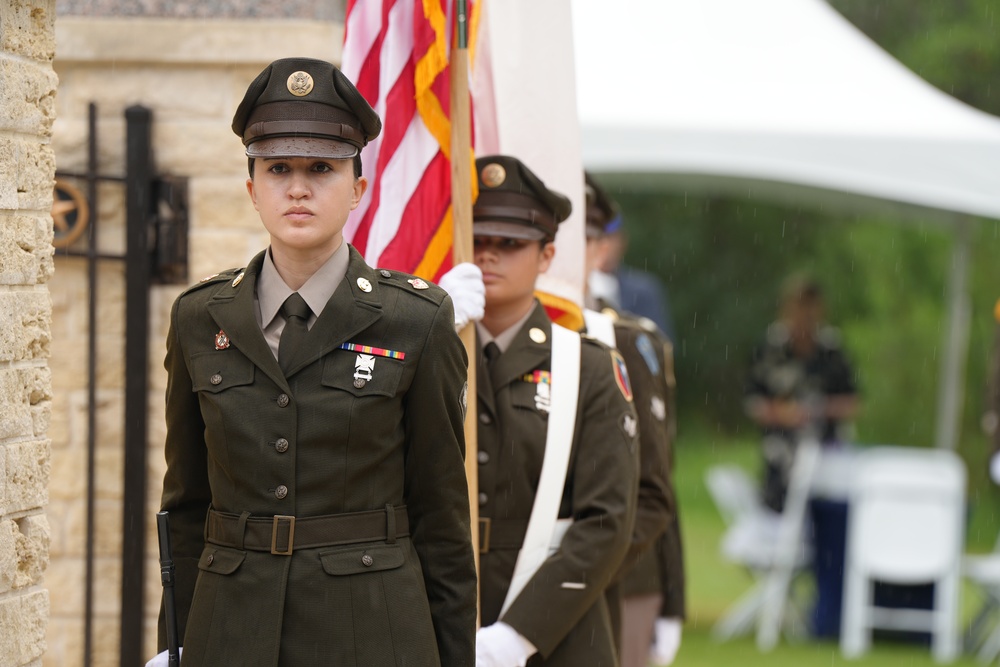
560, 616
315, 477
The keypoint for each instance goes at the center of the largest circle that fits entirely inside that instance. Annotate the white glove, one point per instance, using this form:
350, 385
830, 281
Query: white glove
499, 645
666, 641
464, 284
160, 660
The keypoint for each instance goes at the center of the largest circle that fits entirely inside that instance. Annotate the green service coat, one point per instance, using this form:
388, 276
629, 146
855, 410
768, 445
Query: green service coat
562, 609
658, 566
397, 440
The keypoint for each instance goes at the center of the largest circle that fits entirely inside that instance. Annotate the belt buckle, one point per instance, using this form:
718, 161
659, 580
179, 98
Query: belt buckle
278, 518
485, 525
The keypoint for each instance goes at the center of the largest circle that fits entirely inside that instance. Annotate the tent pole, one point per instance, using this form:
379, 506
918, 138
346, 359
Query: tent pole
954, 358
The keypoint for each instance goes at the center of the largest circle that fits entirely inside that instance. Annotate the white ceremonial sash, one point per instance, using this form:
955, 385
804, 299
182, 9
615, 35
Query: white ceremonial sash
600, 326
542, 534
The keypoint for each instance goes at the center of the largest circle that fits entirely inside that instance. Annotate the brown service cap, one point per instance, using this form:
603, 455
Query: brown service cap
514, 203
304, 107
602, 212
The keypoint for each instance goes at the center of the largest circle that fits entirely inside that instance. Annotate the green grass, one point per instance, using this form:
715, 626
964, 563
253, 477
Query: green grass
713, 584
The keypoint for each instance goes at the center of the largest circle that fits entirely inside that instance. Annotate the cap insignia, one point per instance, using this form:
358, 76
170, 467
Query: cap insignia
300, 83
493, 175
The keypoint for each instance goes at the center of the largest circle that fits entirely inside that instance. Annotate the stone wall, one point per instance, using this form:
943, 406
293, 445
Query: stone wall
192, 75
27, 110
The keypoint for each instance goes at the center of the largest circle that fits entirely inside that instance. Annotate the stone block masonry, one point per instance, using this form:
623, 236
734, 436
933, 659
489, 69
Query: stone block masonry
27, 167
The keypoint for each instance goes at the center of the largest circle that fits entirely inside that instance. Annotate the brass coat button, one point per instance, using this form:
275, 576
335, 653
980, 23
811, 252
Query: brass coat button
485, 418
215, 379
281, 445
484, 457
367, 560
281, 492
283, 401
385, 274
483, 499
210, 559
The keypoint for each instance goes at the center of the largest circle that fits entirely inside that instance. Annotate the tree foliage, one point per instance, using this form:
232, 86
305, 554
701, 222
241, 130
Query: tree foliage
722, 259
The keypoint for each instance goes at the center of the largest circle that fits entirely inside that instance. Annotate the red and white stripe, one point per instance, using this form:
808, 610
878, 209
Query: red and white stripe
409, 174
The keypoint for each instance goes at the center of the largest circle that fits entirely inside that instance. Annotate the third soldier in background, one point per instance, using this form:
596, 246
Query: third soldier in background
649, 588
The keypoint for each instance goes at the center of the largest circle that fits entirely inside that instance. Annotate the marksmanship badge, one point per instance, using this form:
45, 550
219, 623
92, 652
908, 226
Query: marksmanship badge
363, 367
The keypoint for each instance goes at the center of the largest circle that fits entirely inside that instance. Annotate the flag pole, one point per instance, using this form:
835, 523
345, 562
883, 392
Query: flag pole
461, 202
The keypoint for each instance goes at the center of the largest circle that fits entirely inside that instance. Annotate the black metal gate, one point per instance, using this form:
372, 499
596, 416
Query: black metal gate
156, 253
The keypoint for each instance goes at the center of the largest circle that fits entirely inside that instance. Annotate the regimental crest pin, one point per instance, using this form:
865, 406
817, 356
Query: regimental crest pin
364, 365
418, 283
221, 340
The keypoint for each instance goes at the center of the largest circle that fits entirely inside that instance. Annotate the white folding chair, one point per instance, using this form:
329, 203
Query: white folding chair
791, 554
904, 526
763, 542
983, 634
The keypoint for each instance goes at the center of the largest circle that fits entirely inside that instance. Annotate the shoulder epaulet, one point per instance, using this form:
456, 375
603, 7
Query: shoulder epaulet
643, 324
591, 340
222, 276
608, 311
649, 325
413, 285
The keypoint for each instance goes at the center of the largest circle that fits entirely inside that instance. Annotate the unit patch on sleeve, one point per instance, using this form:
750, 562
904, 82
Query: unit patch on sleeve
648, 352
621, 375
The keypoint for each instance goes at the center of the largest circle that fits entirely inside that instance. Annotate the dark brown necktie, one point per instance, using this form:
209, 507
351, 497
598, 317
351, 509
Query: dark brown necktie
296, 312
492, 354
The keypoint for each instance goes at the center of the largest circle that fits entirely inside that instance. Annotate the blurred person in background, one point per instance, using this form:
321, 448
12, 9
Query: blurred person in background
800, 384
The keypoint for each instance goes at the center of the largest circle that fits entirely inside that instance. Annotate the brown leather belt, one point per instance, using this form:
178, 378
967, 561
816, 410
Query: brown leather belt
283, 534
501, 533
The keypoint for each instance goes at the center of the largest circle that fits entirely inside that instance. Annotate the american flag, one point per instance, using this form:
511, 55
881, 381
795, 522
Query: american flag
397, 54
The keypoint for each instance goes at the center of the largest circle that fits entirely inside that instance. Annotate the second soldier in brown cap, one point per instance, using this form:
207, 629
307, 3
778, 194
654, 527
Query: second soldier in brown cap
556, 614
315, 477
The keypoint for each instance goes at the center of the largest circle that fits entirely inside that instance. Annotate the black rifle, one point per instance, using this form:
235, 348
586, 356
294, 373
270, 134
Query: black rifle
167, 579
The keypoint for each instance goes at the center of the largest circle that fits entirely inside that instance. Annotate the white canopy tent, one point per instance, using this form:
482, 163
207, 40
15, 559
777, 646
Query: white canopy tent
784, 97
